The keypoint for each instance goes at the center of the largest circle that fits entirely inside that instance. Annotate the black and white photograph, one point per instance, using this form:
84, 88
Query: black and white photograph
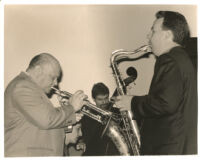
97, 79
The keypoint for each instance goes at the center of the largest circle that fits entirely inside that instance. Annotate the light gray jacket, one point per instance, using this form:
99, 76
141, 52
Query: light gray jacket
33, 126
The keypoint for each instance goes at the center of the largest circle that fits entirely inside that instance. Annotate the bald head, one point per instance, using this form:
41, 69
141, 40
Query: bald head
45, 70
42, 60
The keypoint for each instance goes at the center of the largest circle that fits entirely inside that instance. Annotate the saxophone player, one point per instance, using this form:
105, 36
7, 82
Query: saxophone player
169, 110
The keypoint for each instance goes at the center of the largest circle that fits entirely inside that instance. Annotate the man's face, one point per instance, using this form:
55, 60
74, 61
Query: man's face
102, 101
49, 77
157, 37
75, 134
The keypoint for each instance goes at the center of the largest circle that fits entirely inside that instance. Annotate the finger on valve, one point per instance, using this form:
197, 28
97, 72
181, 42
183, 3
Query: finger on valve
62, 101
77, 100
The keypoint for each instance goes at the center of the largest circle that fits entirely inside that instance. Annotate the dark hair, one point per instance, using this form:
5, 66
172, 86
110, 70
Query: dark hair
99, 89
177, 23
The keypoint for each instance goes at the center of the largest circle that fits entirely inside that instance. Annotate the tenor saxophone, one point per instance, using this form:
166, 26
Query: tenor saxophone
129, 126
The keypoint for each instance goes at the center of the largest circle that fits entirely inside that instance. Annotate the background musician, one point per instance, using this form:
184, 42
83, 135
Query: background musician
92, 130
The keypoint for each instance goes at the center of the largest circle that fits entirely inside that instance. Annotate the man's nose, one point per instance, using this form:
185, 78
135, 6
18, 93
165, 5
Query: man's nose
149, 35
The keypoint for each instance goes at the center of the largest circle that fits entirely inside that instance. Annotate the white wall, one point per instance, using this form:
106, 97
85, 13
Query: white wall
82, 38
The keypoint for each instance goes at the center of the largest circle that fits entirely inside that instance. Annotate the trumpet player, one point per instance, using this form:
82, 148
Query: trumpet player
33, 126
169, 110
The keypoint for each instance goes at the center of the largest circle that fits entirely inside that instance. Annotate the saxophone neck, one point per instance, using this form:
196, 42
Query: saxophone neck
121, 53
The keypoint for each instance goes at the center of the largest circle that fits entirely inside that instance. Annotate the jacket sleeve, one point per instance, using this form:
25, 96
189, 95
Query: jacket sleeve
39, 111
165, 92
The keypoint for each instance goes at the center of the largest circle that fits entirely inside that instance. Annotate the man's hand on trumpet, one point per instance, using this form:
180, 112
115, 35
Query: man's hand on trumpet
62, 101
77, 100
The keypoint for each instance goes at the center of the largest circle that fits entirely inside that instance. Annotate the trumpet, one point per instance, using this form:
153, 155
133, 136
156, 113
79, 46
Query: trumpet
88, 109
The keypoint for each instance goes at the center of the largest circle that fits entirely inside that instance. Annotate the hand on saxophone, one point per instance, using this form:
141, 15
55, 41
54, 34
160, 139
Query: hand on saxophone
77, 100
124, 102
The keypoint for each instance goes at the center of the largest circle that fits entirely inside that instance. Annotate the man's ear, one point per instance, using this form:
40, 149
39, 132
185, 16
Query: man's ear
38, 69
169, 35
